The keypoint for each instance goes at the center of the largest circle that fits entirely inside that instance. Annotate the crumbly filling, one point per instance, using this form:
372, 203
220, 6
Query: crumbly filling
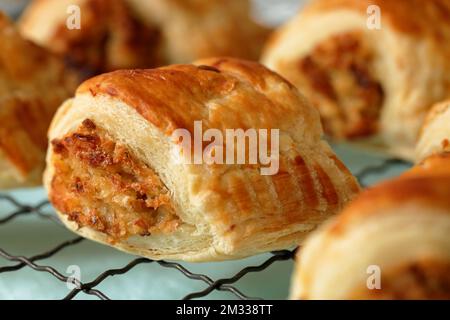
98, 184
338, 79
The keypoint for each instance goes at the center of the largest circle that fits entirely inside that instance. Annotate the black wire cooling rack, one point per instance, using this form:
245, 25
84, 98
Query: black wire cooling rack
228, 284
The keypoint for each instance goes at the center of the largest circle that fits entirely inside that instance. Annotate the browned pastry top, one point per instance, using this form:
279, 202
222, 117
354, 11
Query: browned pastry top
182, 94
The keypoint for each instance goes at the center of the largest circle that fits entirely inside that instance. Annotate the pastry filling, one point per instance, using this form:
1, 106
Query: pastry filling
98, 184
338, 79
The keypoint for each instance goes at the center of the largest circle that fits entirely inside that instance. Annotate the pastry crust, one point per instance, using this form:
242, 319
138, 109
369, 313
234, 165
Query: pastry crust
224, 211
379, 80
129, 34
33, 83
400, 226
435, 135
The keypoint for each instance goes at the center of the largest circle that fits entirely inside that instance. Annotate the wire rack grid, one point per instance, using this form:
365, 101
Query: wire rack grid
225, 284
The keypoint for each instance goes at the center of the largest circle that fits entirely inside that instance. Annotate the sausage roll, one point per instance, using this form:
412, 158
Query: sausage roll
372, 67
435, 135
114, 172
127, 34
392, 242
33, 84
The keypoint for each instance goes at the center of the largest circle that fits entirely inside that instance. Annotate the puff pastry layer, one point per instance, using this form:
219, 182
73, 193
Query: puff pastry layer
33, 83
435, 135
128, 34
368, 81
114, 177
392, 242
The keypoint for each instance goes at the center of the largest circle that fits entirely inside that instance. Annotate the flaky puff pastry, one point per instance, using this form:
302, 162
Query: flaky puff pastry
128, 34
392, 242
114, 176
368, 82
435, 134
33, 84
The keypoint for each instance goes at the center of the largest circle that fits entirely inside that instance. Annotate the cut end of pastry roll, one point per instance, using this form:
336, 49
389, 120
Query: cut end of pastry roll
392, 242
435, 135
367, 66
33, 83
114, 173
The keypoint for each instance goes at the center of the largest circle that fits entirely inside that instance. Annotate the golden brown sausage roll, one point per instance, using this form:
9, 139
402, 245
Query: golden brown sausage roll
33, 84
435, 135
372, 67
127, 34
114, 173
392, 242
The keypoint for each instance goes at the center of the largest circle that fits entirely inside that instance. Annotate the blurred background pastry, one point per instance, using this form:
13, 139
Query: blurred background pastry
126, 34
372, 67
33, 84
392, 241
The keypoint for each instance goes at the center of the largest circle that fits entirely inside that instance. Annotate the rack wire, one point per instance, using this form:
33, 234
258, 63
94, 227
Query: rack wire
227, 284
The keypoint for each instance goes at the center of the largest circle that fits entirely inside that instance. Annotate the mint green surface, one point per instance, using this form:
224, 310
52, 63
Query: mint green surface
29, 235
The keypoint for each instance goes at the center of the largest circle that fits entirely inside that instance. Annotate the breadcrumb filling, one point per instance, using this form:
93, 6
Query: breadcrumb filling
338, 79
98, 184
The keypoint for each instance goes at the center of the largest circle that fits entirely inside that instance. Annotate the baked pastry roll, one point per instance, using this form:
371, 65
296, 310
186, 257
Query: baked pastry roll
435, 135
114, 173
33, 83
392, 242
368, 81
128, 34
